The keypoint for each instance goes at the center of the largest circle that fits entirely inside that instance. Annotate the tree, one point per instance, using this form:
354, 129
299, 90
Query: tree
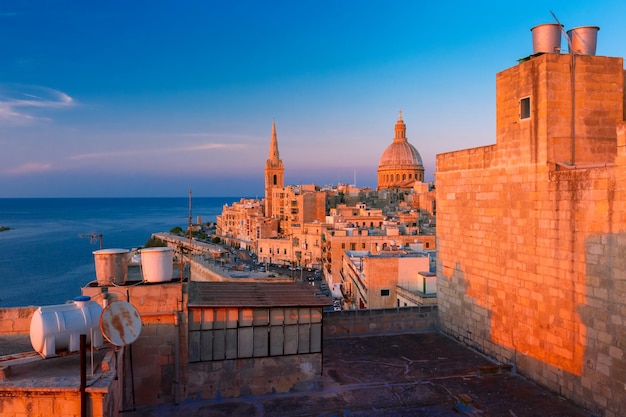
154, 243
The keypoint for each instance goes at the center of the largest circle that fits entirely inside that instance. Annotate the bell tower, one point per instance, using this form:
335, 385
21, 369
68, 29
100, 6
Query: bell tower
274, 172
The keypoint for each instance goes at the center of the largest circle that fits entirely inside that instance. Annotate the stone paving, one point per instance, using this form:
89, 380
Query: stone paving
426, 375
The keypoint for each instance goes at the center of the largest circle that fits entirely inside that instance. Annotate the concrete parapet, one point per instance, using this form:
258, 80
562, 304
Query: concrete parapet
376, 322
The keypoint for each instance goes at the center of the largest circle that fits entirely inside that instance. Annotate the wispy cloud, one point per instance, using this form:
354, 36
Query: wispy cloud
217, 135
153, 151
209, 146
29, 168
18, 103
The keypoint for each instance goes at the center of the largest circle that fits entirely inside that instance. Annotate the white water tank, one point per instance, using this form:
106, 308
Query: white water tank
111, 266
58, 327
157, 264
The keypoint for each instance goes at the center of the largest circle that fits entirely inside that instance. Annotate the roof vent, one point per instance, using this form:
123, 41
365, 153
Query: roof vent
547, 38
583, 40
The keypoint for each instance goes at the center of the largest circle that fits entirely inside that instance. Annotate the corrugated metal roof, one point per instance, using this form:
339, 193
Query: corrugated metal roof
253, 294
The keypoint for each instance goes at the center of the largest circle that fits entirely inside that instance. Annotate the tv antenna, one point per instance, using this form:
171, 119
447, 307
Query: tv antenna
93, 237
567, 38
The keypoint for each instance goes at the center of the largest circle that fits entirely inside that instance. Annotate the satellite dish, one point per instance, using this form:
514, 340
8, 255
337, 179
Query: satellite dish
120, 323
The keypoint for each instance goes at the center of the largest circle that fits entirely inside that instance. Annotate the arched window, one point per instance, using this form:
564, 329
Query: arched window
403, 177
397, 177
275, 179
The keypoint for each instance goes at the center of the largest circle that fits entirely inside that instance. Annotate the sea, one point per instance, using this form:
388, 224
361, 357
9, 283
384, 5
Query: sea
47, 254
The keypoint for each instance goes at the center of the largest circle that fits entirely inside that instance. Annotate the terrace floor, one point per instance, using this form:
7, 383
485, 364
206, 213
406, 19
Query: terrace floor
426, 375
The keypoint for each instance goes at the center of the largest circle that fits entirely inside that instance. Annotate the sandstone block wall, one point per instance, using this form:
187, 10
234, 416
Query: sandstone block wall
376, 322
531, 254
254, 376
16, 320
158, 356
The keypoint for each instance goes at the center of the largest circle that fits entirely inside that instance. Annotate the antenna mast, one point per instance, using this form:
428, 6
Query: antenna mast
92, 237
190, 218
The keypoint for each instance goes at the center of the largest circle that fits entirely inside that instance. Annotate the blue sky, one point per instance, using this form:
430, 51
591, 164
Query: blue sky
152, 98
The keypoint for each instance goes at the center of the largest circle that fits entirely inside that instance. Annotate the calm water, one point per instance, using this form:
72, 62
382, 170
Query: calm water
43, 259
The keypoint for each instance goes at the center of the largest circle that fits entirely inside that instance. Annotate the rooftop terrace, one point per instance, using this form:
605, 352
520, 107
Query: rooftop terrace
403, 375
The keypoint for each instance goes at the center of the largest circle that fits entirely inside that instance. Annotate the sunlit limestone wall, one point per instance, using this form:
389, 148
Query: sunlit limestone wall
532, 231
159, 354
16, 320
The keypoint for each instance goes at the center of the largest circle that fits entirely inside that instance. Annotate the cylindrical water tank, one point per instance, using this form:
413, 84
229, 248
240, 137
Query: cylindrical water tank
157, 264
58, 327
583, 40
111, 266
546, 38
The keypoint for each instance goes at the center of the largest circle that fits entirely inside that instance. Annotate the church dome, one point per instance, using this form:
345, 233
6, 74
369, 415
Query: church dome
400, 154
401, 164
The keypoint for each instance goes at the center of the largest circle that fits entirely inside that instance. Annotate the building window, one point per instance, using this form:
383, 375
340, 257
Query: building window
384, 293
524, 108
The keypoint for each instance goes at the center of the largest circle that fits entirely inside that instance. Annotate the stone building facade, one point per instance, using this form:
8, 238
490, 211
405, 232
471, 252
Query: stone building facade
373, 279
243, 223
335, 241
532, 230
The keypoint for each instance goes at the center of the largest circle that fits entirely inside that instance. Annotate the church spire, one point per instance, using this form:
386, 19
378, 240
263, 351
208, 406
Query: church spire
274, 172
274, 157
400, 130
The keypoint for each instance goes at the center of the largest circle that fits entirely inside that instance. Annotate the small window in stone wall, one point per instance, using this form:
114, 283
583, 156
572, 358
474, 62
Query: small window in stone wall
384, 293
524, 108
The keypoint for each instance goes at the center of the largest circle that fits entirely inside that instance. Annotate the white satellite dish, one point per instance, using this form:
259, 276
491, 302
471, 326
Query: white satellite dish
120, 323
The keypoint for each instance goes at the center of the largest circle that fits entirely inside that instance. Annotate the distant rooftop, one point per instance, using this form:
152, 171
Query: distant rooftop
252, 294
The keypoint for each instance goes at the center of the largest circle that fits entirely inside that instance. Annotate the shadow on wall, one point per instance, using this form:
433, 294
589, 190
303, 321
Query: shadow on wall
573, 348
604, 314
484, 316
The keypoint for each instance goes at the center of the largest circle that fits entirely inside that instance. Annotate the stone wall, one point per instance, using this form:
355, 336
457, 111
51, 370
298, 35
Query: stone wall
376, 322
16, 320
103, 395
254, 376
532, 247
158, 356
41, 404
